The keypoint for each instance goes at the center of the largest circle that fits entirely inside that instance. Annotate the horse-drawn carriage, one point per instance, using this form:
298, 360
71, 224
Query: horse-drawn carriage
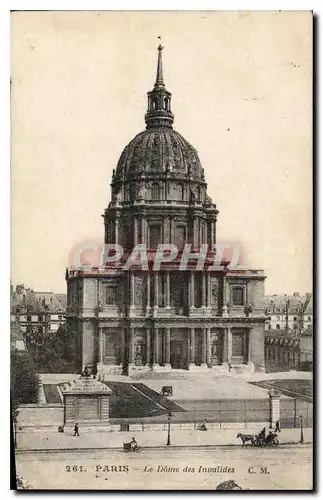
270, 440
260, 439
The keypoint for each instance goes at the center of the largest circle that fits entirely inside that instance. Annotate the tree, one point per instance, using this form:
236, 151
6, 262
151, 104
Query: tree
57, 352
24, 379
24, 384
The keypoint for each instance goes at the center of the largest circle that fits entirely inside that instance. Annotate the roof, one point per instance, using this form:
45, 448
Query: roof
277, 303
50, 300
309, 306
156, 151
25, 299
62, 298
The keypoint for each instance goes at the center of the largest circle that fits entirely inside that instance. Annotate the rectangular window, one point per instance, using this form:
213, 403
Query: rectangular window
40, 318
110, 295
28, 318
237, 296
180, 236
155, 236
239, 347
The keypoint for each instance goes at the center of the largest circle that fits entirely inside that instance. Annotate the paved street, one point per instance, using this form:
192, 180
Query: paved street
197, 468
92, 440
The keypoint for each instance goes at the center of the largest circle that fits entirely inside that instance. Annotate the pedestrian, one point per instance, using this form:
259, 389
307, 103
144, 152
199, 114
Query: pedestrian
277, 428
76, 429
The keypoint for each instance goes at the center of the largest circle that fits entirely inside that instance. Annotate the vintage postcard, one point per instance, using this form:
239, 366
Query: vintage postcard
161, 286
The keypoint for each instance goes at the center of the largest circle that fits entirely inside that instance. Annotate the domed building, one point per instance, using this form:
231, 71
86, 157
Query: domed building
135, 319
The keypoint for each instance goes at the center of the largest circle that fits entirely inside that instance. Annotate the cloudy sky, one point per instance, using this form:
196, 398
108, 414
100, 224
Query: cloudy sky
241, 85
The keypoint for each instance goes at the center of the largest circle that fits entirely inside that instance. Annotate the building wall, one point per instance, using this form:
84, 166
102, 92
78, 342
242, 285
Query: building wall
257, 347
89, 343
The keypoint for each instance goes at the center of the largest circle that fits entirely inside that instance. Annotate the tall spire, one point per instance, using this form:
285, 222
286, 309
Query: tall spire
159, 75
159, 112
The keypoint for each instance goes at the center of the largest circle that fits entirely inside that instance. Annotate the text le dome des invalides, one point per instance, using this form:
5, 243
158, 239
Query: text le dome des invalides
138, 320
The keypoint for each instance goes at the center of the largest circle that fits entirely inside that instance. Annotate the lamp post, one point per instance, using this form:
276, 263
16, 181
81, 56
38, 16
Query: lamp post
302, 433
168, 433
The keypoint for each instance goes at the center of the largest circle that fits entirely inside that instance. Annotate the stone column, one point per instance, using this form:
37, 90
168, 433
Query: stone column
167, 350
203, 291
123, 345
229, 345
117, 230
204, 348
226, 291
135, 231
142, 221
205, 232
192, 291
156, 291
132, 291
101, 350
249, 346
274, 406
148, 291
155, 349
251, 366
130, 348
192, 347
208, 285
195, 232
208, 347
148, 346
167, 290
165, 230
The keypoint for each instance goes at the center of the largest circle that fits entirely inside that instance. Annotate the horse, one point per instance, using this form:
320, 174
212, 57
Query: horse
246, 437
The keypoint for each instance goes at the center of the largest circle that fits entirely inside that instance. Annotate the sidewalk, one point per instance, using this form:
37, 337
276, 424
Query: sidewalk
146, 439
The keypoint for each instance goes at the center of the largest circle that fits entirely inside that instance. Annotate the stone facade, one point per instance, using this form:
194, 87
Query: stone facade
86, 400
135, 320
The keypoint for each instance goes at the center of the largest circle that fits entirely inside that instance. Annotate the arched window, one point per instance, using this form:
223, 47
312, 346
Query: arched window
277, 327
166, 102
155, 192
237, 296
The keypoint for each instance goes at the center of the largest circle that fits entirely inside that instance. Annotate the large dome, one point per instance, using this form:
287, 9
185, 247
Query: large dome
156, 151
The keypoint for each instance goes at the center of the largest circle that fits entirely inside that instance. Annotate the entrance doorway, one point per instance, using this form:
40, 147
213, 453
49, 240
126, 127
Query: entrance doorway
177, 355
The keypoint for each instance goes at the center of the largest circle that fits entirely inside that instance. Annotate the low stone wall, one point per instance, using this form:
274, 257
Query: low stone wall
33, 415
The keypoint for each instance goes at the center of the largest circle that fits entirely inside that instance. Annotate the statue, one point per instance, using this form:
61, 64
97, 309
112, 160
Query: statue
192, 196
214, 350
141, 191
86, 372
138, 355
248, 310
